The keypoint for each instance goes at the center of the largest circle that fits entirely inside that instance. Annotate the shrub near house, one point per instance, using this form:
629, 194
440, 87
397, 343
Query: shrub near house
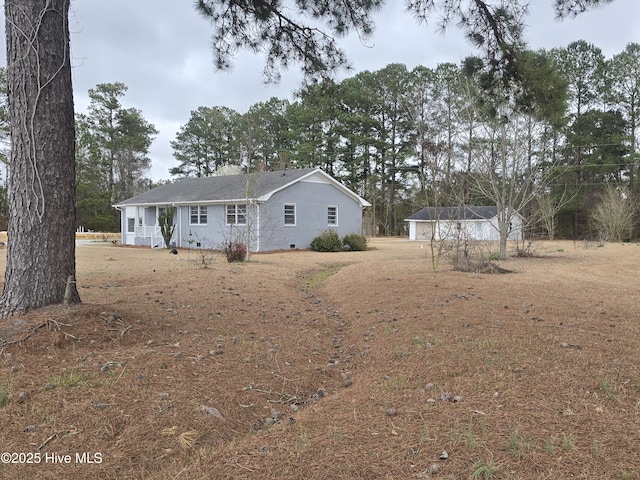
329, 241
354, 242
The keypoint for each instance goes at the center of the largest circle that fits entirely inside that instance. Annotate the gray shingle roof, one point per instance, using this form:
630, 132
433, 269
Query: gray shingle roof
455, 213
218, 189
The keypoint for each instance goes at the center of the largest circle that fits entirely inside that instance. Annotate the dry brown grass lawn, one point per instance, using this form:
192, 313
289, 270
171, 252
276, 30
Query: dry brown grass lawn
304, 365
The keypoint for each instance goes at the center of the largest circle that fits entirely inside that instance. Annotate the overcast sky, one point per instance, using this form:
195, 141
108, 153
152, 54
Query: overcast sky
160, 49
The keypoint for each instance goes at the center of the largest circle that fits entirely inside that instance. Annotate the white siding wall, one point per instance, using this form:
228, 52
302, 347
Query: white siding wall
474, 229
128, 238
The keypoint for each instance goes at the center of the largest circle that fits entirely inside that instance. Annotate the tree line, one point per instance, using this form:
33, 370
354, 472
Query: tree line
403, 139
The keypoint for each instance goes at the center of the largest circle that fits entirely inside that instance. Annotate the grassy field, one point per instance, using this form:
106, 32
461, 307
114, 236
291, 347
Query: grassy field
305, 365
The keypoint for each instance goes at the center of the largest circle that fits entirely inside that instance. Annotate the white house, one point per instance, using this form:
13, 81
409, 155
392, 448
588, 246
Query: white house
475, 223
267, 211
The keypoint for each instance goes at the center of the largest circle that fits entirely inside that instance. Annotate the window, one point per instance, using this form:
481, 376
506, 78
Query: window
289, 214
131, 225
236, 214
198, 215
332, 215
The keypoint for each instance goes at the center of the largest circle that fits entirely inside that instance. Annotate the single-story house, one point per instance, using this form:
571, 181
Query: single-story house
267, 211
474, 223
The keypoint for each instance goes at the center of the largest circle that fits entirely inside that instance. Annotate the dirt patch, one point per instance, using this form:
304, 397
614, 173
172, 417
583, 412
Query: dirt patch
346, 365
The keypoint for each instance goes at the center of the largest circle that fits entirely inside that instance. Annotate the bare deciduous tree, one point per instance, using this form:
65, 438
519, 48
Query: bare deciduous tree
505, 173
546, 211
613, 215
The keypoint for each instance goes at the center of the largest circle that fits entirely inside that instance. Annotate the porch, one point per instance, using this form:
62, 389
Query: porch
148, 236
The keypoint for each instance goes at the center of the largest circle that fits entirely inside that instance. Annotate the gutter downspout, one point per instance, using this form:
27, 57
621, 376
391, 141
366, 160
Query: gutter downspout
257, 227
179, 239
122, 229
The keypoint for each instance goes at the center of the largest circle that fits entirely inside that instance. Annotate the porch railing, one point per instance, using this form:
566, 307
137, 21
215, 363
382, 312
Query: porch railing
153, 233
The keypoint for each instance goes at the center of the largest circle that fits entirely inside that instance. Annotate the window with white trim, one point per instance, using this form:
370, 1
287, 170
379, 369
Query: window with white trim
289, 213
332, 215
131, 225
236, 214
198, 215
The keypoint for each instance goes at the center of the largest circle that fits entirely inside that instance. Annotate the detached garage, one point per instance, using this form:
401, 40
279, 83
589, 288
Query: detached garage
475, 223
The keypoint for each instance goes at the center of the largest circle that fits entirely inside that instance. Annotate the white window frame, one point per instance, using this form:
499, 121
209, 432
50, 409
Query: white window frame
131, 224
238, 211
334, 215
288, 214
201, 215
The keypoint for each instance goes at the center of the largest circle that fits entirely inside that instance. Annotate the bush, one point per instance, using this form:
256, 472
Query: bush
354, 242
471, 257
327, 241
235, 251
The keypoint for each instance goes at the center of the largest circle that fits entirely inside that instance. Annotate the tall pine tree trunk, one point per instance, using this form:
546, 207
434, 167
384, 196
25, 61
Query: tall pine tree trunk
41, 246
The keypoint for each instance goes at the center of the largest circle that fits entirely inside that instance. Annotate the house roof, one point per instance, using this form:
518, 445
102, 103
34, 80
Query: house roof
230, 188
454, 213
